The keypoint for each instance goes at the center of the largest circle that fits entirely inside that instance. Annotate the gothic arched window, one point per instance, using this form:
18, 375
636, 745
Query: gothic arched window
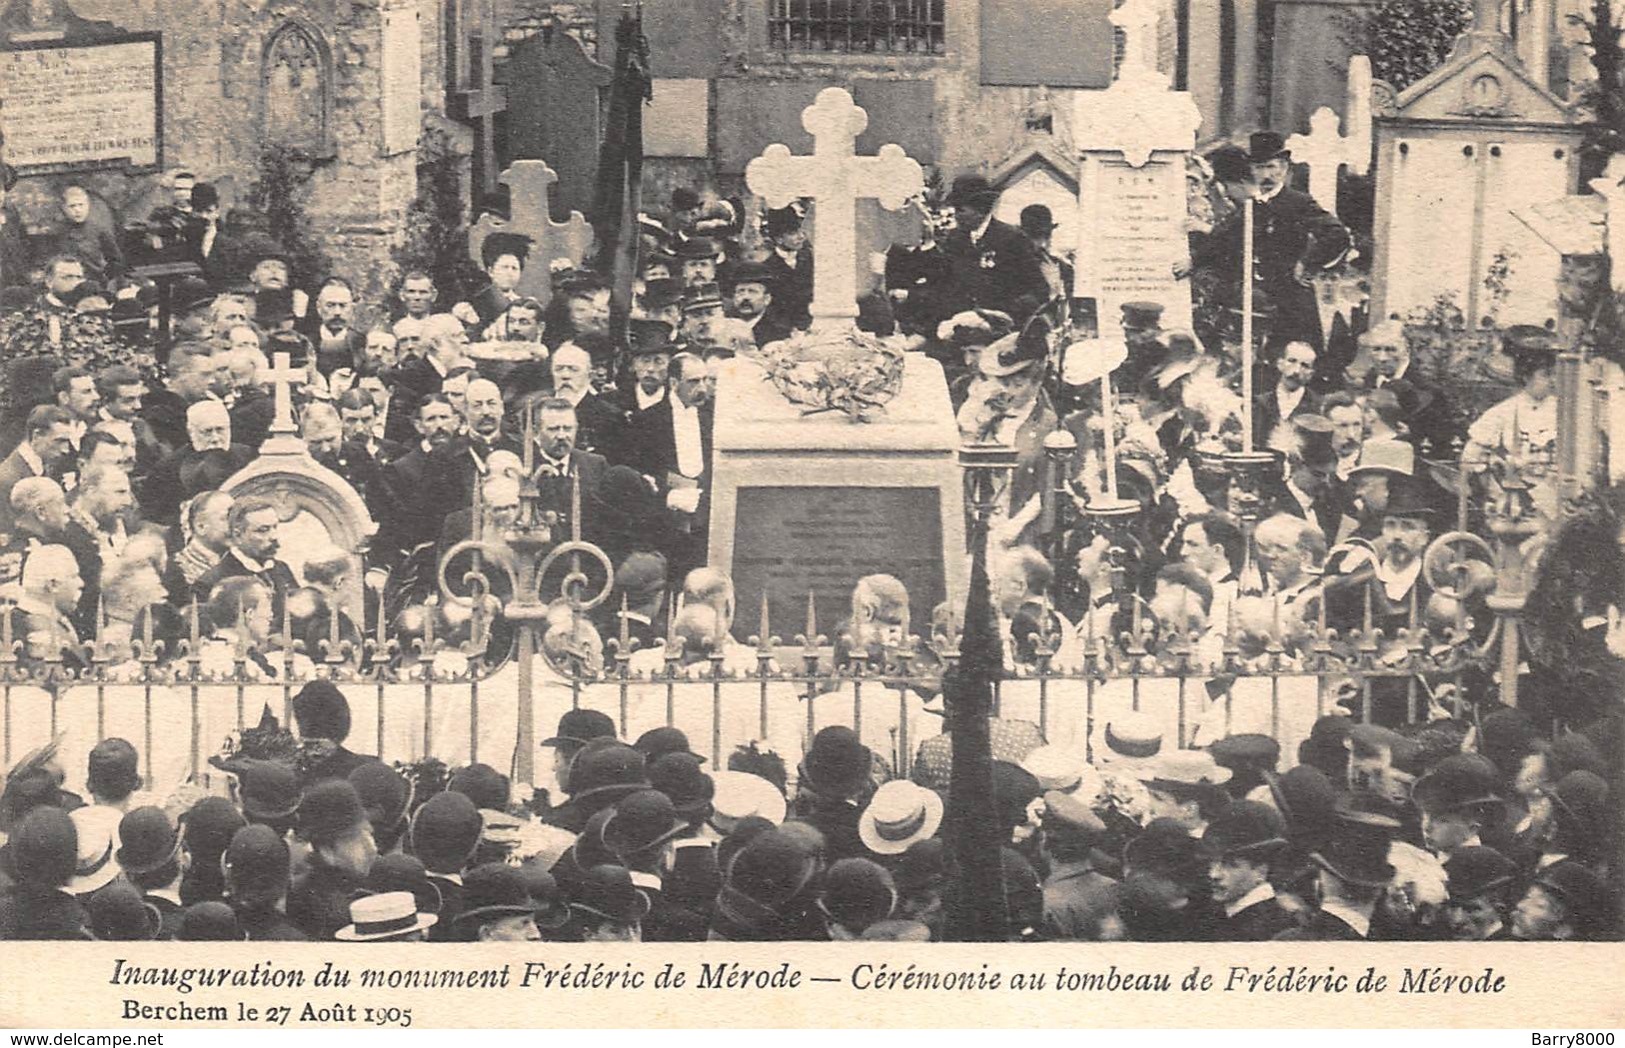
296, 90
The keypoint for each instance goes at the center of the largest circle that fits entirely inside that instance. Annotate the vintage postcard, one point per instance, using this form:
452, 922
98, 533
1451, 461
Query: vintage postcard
798, 513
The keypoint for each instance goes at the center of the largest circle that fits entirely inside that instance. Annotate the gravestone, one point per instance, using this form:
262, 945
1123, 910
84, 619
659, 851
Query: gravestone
528, 182
811, 503
1464, 147
805, 504
555, 95
1134, 139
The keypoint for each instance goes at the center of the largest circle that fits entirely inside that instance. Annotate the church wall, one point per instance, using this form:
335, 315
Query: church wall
214, 113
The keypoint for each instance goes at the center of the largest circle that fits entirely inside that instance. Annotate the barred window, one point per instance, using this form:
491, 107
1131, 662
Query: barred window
858, 26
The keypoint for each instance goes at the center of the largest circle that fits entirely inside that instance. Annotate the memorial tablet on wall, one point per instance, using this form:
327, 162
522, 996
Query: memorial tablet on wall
79, 107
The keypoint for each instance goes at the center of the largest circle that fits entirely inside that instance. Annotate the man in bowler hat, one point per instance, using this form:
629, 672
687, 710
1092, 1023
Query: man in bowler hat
333, 822
1242, 844
994, 264
1353, 871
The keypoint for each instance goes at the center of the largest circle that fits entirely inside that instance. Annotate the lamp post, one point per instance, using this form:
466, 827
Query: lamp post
968, 695
528, 545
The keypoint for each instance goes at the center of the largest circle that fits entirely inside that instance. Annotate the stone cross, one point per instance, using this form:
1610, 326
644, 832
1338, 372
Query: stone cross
1138, 21
528, 182
835, 178
283, 377
1325, 149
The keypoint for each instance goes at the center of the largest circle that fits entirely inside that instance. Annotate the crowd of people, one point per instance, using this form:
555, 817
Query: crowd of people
1494, 833
1400, 815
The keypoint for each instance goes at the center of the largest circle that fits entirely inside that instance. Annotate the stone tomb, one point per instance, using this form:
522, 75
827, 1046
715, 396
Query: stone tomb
810, 504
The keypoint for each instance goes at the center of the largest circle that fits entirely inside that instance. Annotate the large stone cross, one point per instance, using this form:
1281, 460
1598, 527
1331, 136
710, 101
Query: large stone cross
283, 377
835, 177
528, 183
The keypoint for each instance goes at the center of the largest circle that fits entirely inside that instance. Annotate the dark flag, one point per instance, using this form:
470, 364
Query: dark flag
972, 820
620, 169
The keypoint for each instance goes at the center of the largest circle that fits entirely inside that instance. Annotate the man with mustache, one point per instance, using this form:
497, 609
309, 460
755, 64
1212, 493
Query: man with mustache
252, 525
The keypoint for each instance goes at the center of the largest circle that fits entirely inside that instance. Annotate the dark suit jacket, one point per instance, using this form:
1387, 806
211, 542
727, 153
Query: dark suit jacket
279, 577
162, 495
650, 444
555, 493
601, 425
1257, 923
405, 519
1002, 271
165, 412
1267, 412
251, 418
319, 902
1322, 927
409, 384
454, 466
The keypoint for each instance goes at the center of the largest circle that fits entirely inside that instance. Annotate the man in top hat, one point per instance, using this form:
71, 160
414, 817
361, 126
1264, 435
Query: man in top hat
751, 301
1399, 585
789, 267
1310, 488
650, 344
1077, 896
1039, 224
670, 444
1294, 238
1526, 422
1480, 882
697, 259
994, 264
1242, 845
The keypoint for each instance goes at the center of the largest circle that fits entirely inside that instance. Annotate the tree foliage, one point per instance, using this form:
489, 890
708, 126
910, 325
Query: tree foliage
279, 195
1604, 98
435, 239
1408, 39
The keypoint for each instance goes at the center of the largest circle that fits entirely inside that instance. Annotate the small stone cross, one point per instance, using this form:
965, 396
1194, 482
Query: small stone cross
835, 178
1325, 148
283, 377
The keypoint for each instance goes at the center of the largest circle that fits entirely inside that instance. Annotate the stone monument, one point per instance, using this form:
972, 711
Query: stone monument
1134, 139
809, 502
1467, 145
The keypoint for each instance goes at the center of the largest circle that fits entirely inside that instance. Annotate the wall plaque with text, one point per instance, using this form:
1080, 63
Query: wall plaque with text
78, 107
796, 540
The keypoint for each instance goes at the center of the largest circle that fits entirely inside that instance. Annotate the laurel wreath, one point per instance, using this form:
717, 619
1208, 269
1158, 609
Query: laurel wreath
853, 372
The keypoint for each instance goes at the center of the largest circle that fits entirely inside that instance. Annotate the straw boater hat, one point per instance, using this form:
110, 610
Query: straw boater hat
95, 865
740, 795
899, 814
377, 918
1131, 739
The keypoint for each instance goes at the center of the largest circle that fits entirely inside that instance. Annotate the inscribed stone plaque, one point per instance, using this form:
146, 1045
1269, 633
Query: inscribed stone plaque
676, 122
1133, 233
796, 540
84, 107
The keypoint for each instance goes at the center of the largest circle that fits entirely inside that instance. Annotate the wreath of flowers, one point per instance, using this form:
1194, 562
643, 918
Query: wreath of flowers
853, 372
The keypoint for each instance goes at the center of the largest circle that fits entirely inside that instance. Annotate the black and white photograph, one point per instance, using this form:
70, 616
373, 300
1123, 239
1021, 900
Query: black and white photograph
801, 471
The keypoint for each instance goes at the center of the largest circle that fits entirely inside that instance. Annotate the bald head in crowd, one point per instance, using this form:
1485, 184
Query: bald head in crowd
51, 577
40, 507
208, 425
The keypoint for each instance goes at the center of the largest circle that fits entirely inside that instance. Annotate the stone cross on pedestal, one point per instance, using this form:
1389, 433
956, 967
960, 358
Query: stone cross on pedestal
1325, 149
835, 178
528, 183
282, 378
